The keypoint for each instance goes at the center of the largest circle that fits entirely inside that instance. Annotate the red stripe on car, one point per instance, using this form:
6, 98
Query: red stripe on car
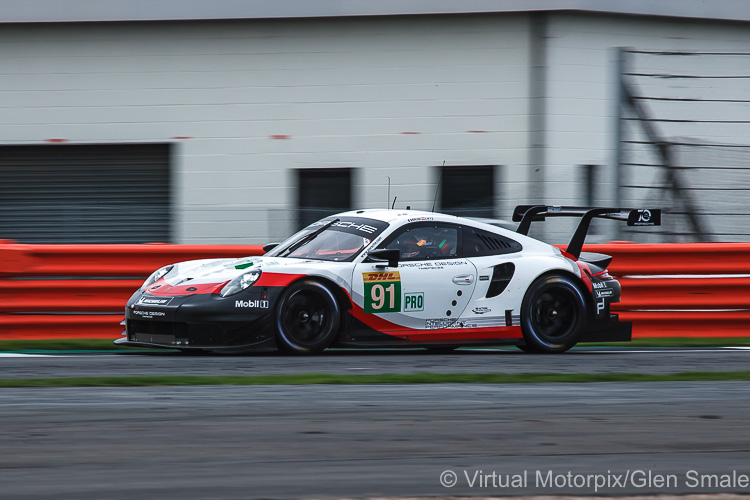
163, 289
447, 334
277, 279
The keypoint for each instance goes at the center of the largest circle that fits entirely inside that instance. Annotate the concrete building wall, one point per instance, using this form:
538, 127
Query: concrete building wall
581, 107
246, 102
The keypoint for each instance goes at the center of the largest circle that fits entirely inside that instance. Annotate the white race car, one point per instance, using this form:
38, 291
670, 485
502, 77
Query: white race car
390, 278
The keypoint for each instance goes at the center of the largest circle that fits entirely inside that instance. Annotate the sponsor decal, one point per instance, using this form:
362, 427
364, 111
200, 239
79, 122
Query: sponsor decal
415, 219
413, 302
484, 278
601, 290
600, 307
382, 292
255, 304
154, 301
481, 310
244, 265
644, 217
420, 265
386, 276
149, 314
440, 323
451, 262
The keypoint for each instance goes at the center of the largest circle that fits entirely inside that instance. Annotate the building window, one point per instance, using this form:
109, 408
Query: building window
102, 193
468, 190
322, 192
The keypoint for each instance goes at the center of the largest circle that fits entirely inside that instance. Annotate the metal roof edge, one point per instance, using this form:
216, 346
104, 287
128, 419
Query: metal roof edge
71, 11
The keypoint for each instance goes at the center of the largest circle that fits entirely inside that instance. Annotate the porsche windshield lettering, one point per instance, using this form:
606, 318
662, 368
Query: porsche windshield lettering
360, 227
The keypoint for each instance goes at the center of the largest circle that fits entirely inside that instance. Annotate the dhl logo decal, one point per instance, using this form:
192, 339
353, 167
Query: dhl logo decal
380, 277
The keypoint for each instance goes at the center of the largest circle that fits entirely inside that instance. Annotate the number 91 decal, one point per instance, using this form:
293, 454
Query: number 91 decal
382, 292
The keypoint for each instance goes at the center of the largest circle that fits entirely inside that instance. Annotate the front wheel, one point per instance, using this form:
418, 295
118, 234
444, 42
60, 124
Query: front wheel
307, 318
552, 315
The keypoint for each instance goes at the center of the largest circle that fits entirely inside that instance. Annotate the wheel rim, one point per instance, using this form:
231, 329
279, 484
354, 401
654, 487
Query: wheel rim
306, 319
554, 313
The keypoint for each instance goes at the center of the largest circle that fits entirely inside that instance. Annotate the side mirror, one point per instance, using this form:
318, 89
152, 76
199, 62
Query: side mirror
385, 255
269, 246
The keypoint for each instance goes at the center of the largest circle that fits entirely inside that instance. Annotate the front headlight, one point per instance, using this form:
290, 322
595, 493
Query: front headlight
240, 283
156, 276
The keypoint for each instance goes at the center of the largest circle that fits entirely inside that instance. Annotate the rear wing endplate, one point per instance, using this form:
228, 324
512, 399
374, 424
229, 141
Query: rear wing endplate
526, 214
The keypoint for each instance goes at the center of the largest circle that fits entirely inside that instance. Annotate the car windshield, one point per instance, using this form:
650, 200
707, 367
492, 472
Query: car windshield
337, 239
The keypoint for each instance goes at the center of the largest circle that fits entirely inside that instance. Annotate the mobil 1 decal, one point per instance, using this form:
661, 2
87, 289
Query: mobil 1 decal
382, 292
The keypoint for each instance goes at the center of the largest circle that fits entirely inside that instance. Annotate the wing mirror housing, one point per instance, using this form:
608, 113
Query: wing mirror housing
269, 246
385, 255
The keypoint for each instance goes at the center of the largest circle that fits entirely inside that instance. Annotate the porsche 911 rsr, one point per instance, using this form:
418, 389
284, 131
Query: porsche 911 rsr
390, 278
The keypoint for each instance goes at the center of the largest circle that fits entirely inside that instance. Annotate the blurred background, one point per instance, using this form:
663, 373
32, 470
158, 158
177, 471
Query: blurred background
240, 121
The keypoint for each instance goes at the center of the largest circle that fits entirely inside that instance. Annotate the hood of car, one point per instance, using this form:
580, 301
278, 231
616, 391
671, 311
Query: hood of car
212, 271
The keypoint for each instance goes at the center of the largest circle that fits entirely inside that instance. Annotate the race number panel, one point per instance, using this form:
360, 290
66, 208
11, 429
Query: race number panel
423, 295
382, 292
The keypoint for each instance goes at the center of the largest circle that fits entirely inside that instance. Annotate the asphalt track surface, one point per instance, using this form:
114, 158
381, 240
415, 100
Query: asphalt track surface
501, 360
380, 440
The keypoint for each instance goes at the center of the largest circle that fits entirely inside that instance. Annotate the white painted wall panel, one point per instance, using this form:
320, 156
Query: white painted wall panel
346, 92
580, 89
386, 96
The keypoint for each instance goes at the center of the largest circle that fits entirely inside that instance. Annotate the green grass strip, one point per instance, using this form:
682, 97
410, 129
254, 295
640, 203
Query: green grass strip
61, 345
107, 345
414, 378
676, 342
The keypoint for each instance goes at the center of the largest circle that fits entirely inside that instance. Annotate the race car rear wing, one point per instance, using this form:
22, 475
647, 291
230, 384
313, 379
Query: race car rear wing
527, 214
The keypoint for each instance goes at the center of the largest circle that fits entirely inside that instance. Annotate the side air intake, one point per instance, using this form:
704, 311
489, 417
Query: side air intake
500, 278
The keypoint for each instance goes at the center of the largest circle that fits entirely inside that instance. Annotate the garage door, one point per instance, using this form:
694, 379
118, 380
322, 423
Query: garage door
85, 193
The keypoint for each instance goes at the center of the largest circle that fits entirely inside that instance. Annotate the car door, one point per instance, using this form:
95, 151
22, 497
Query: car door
429, 290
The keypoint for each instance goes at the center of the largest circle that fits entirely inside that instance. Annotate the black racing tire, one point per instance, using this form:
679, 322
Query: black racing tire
552, 314
307, 318
528, 349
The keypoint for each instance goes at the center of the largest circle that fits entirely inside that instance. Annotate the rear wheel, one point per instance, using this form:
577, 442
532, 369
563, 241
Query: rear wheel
552, 315
307, 318
528, 349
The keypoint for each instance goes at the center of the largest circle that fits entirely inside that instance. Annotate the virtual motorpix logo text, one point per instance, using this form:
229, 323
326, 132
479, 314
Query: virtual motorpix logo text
611, 480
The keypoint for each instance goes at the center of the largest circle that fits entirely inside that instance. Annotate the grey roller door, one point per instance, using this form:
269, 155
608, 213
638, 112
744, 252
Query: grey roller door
85, 193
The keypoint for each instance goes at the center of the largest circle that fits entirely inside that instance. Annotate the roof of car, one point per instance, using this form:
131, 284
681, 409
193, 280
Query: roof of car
400, 217
393, 216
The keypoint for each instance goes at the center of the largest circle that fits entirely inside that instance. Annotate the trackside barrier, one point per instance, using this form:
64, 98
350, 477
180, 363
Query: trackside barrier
80, 291
682, 289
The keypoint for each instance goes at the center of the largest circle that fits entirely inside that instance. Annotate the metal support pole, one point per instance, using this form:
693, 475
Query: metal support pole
618, 101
